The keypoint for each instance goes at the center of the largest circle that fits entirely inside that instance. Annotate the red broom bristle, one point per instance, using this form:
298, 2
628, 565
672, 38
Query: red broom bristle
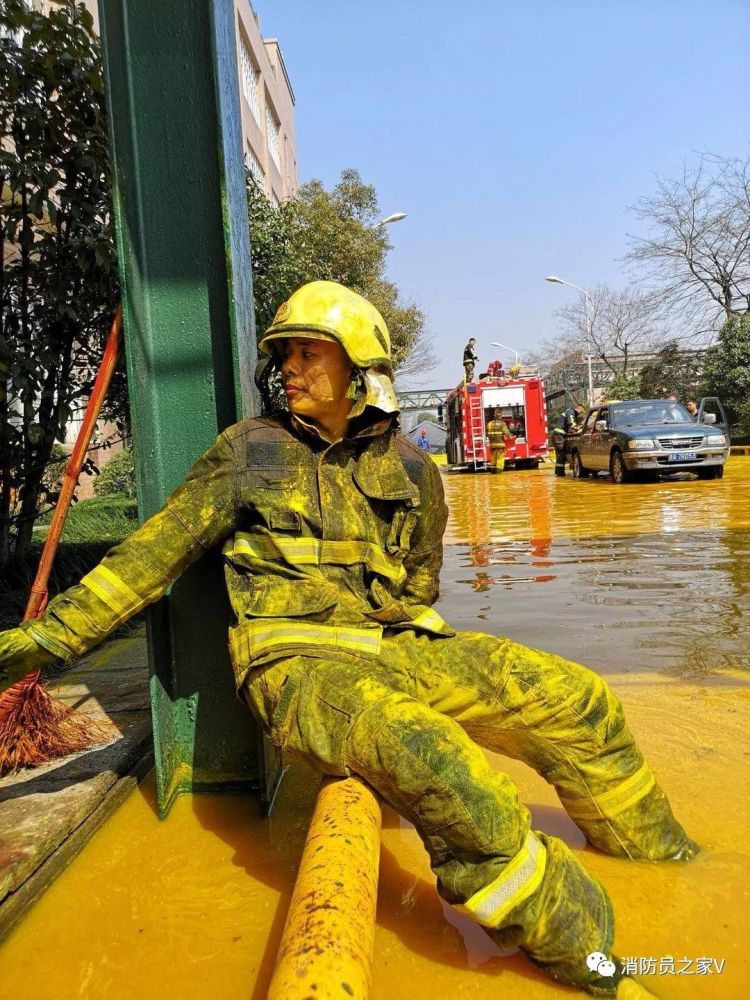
36, 728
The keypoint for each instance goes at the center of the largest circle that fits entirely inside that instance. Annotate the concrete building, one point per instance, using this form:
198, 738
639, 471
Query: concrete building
267, 105
269, 141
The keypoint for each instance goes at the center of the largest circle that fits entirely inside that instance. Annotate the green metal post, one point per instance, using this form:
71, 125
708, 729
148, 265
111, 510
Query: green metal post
184, 253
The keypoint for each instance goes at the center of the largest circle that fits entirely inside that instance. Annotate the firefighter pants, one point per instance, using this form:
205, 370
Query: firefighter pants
558, 440
497, 457
411, 722
560, 459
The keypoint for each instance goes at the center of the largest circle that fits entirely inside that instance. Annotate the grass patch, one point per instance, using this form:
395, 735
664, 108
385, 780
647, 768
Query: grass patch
101, 519
91, 529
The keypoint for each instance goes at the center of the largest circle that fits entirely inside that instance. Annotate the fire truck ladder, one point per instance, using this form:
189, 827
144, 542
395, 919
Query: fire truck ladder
474, 416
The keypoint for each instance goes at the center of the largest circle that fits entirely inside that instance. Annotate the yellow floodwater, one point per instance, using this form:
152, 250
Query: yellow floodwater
646, 583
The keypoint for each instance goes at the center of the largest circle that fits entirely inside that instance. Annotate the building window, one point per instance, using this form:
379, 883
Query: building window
249, 76
255, 167
272, 137
275, 201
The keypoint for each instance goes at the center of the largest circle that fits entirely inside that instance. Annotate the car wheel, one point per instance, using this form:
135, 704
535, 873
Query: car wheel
617, 469
578, 470
712, 472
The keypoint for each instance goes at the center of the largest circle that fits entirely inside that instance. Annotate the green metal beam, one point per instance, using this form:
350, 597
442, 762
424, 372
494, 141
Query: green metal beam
184, 253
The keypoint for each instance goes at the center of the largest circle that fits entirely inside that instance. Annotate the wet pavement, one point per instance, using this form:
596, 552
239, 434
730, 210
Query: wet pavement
646, 583
653, 576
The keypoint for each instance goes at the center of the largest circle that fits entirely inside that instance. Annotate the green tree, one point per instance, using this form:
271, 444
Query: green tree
727, 371
332, 236
59, 279
117, 476
672, 372
625, 387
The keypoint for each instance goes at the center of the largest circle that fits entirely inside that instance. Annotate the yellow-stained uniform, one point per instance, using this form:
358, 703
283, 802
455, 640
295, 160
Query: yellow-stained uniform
332, 554
498, 433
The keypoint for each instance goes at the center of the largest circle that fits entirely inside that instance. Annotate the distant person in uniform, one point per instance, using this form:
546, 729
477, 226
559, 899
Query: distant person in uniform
498, 432
568, 423
470, 359
423, 442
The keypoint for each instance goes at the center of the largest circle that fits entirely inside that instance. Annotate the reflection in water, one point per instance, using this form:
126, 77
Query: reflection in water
654, 575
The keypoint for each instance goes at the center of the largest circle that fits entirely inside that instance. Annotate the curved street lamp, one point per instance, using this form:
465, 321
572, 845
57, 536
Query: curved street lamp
394, 217
589, 325
496, 343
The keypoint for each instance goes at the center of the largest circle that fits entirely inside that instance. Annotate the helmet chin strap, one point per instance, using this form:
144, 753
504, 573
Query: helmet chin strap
356, 384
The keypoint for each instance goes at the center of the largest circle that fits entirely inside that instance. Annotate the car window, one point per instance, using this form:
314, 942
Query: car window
651, 411
603, 413
712, 412
590, 420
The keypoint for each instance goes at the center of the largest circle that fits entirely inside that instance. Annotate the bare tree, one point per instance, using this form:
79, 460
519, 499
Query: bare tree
697, 249
621, 325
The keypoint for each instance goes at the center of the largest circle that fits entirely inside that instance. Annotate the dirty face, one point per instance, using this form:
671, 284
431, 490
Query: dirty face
316, 377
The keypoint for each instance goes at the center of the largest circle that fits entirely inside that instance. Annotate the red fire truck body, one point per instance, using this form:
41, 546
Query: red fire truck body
471, 406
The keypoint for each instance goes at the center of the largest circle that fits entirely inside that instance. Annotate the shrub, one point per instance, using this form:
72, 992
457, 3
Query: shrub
92, 527
117, 476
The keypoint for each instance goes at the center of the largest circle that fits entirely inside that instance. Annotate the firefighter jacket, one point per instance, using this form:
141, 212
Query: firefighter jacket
470, 354
325, 546
497, 432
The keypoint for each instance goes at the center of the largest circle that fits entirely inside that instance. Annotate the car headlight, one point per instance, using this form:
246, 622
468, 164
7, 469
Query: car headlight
641, 444
716, 440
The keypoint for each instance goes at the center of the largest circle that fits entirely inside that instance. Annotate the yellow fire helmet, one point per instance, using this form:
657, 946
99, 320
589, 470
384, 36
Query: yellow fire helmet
323, 309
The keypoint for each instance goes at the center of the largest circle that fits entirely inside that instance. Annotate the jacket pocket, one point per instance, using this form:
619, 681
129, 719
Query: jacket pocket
396, 501
399, 534
279, 598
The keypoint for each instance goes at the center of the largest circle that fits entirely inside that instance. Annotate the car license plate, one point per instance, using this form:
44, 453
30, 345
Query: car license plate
683, 456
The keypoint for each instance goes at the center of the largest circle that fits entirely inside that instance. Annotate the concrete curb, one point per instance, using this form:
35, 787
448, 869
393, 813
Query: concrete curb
48, 814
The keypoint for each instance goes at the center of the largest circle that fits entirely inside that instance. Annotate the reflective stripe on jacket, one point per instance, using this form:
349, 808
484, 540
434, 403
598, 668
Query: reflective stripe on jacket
325, 545
498, 432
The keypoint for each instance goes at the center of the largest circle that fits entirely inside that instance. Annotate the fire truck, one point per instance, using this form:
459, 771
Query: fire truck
471, 406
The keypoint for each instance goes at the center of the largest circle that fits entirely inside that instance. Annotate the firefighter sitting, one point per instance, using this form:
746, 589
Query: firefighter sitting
332, 524
498, 433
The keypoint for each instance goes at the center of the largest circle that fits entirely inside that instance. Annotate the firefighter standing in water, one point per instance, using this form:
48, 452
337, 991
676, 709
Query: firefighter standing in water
569, 422
332, 526
498, 433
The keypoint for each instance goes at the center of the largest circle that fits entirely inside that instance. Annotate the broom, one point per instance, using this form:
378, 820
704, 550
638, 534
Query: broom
34, 727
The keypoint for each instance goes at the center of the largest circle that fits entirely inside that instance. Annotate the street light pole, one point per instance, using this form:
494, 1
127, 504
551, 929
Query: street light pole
589, 325
496, 343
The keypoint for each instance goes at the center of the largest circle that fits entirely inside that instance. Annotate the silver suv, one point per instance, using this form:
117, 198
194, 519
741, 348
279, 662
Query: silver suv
644, 438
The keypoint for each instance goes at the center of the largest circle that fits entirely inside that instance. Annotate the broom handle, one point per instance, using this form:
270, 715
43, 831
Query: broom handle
38, 594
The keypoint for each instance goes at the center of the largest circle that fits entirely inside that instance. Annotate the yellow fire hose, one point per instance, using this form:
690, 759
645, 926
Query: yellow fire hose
326, 947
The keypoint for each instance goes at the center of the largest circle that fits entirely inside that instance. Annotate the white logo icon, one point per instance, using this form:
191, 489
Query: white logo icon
598, 962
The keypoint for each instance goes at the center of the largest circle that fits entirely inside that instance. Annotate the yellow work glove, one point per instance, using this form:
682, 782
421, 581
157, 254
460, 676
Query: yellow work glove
19, 655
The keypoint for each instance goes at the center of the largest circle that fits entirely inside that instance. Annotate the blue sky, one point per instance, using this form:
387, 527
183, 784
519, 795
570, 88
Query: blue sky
515, 136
